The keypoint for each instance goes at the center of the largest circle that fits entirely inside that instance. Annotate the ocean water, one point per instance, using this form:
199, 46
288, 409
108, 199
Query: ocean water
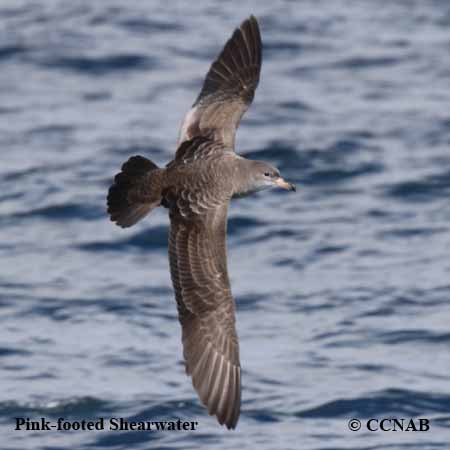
342, 289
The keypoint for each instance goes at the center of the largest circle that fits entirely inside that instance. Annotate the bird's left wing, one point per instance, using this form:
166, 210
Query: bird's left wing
228, 89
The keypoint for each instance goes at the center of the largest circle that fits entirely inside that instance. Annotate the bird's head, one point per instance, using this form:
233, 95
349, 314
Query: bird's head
265, 176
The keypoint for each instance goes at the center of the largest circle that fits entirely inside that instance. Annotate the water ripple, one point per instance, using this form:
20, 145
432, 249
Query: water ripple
100, 65
389, 402
428, 188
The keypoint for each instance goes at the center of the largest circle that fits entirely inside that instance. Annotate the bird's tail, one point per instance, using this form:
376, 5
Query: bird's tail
137, 189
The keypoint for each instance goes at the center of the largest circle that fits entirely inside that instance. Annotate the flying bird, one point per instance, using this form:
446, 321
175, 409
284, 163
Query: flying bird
196, 187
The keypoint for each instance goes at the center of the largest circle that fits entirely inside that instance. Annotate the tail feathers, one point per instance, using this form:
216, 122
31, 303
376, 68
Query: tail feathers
135, 192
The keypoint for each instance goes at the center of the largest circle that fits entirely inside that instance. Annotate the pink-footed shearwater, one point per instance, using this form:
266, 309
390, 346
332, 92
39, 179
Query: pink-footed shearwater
197, 187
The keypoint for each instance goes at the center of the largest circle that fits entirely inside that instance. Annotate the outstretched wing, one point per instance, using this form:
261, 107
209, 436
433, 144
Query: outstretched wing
228, 89
197, 251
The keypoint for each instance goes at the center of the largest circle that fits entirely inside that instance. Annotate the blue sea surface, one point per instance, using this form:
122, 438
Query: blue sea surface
342, 289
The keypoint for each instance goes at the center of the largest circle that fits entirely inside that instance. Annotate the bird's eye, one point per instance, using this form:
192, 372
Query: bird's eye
267, 174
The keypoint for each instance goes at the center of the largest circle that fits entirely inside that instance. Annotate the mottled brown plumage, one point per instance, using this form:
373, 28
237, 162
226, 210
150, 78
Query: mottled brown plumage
197, 187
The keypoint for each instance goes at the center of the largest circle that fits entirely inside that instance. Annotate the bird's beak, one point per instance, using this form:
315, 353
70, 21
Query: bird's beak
283, 184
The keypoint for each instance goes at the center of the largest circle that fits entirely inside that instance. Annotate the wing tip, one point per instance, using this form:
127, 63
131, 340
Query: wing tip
216, 380
222, 396
239, 61
252, 23
250, 19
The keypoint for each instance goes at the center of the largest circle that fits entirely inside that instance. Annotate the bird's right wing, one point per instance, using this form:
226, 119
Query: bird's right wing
197, 252
228, 89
